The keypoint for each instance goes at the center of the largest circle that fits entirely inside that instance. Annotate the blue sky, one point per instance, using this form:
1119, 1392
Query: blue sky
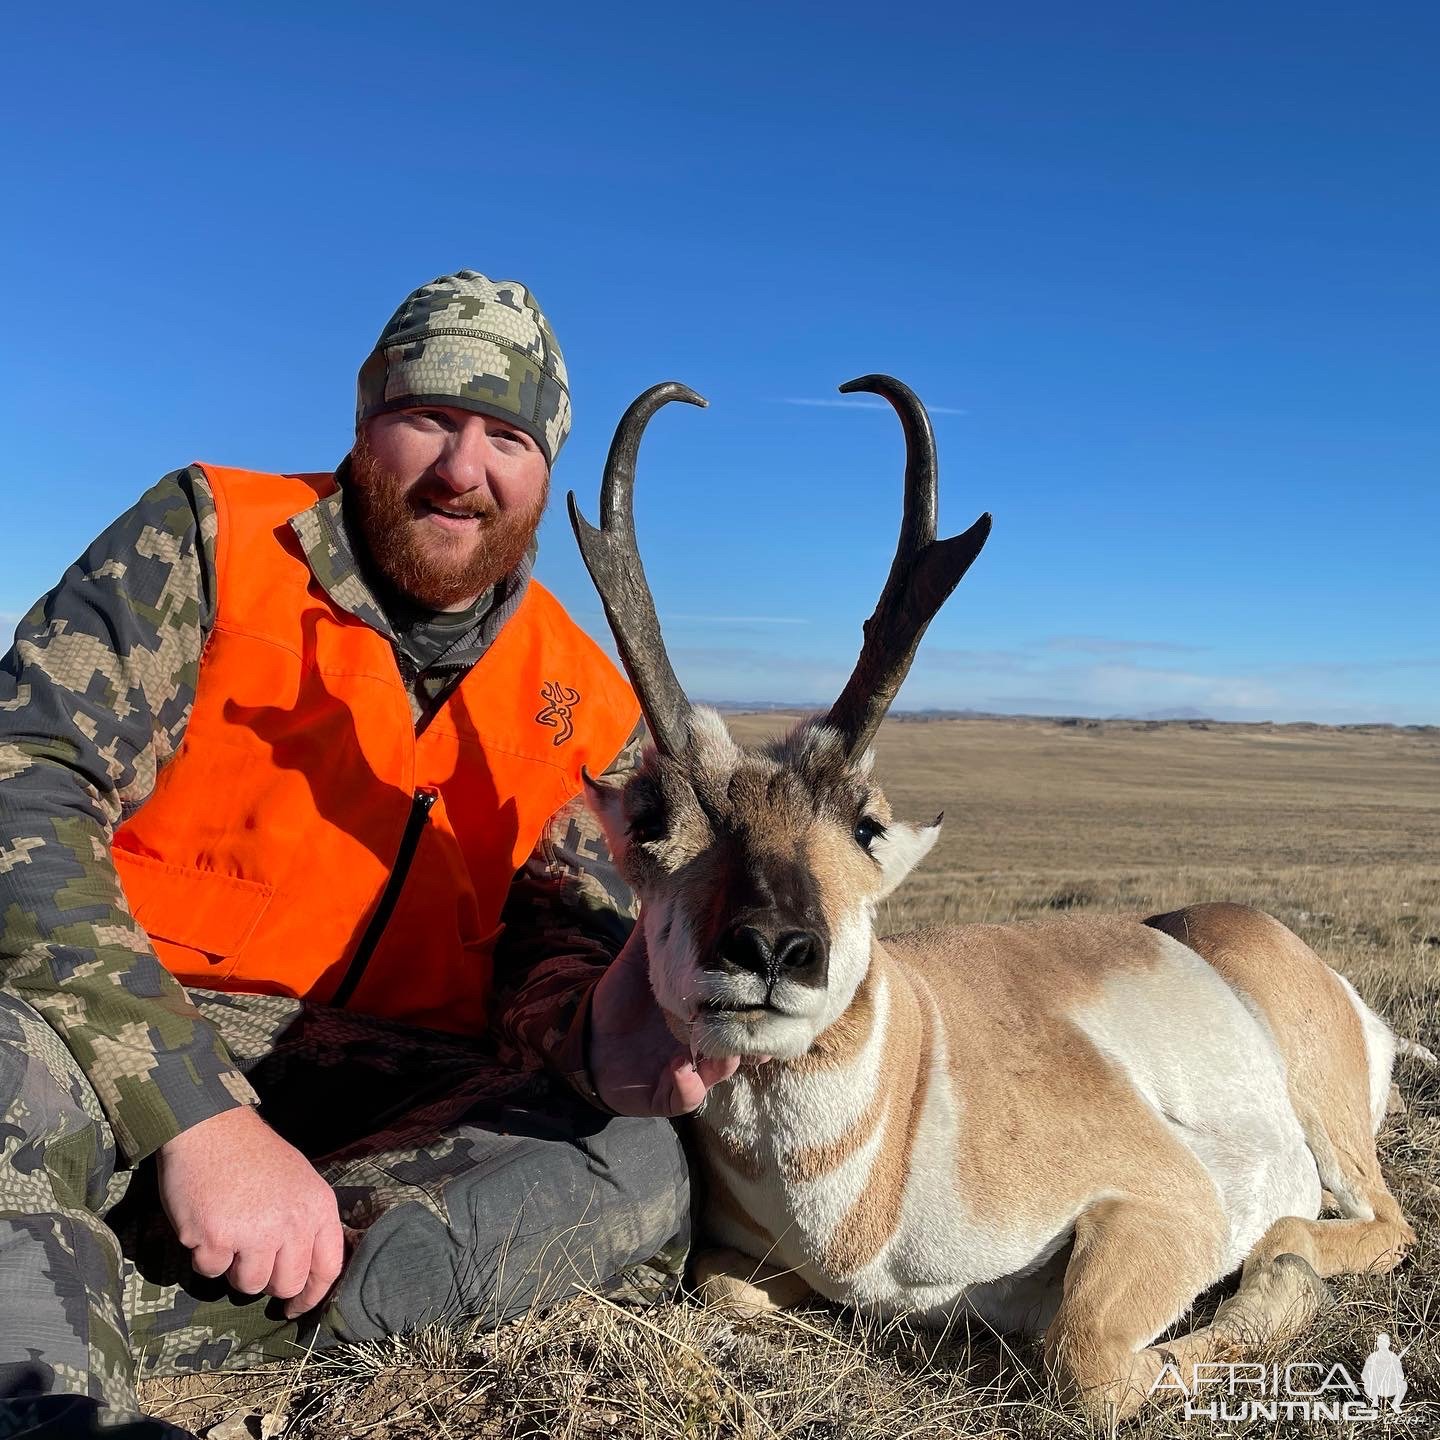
1166, 275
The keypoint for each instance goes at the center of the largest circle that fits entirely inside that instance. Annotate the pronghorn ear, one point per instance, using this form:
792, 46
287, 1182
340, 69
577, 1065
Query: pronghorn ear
606, 800
901, 849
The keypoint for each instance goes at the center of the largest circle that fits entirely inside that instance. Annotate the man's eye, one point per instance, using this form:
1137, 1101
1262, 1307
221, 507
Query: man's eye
867, 831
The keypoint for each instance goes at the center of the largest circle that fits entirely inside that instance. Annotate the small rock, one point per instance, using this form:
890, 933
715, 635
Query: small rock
235, 1427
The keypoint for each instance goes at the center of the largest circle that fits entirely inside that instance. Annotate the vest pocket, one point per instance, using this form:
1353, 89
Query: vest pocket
199, 920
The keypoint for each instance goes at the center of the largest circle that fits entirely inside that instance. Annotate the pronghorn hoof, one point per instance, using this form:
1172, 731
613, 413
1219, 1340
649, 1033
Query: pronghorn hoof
744, 1287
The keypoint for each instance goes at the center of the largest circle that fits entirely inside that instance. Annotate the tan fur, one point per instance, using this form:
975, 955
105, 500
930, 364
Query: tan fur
838, 1046
720, 1198
862, 1233
741, 1162
839, 867
1341, 1247
1034, 1143
1131, 1274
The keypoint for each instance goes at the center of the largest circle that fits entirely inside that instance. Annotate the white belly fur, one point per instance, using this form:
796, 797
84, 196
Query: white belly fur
1212, 1070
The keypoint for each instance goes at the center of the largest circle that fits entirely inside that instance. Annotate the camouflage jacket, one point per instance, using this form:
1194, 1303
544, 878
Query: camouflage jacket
94, 698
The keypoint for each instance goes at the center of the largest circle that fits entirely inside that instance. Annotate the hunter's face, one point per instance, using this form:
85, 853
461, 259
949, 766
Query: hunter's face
448, 500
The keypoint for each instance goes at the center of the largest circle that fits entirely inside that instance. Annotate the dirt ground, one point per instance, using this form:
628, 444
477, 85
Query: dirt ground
1335, 832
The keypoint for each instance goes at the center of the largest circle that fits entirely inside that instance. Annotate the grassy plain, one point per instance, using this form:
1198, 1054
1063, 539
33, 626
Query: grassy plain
1335, 832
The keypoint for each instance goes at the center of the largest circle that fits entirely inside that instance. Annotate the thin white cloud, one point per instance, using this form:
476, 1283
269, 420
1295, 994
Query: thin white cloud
1105, 686
741, 619
860, 402
1103, 645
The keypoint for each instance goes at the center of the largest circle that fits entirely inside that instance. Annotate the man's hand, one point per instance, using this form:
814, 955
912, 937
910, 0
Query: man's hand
638, 1066
251, 1207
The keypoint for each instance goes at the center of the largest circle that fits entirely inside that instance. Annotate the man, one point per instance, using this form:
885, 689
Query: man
289, 818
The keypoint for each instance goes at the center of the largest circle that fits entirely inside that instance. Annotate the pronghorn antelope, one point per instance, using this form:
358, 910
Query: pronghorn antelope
1070, 1126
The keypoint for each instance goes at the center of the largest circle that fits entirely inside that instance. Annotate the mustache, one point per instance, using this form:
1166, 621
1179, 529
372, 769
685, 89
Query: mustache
482, 509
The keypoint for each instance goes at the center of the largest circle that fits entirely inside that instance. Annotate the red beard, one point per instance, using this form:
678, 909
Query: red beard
435, 570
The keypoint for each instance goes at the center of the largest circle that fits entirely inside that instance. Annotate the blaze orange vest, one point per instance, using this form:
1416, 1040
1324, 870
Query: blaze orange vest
303, 840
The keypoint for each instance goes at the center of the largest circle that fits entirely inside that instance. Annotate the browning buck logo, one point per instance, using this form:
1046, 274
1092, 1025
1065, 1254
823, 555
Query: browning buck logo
560, 700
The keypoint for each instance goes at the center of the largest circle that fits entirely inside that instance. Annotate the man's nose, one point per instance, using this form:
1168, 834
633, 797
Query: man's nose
464, 462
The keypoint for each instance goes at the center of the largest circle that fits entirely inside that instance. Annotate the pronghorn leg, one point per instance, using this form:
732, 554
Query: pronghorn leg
1135, 1268
745, 1286
1341, 1247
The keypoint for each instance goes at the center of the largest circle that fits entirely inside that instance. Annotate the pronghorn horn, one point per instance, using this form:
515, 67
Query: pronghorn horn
922, 576
613, 560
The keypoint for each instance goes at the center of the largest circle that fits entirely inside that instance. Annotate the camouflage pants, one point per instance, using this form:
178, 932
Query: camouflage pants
473, 1193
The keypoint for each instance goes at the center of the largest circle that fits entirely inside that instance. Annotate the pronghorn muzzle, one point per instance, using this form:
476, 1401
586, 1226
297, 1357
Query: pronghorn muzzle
773, 924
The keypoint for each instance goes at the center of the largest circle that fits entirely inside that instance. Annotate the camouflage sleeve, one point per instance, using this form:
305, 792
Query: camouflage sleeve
94, 696
567, 915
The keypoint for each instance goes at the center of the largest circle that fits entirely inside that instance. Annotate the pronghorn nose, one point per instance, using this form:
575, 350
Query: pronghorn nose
747, 949
793, 951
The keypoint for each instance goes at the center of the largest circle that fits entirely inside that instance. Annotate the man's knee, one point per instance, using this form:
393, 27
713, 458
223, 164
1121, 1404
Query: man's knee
500, 1224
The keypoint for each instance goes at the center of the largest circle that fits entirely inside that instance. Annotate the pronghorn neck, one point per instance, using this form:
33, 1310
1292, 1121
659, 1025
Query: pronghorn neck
842, 1041
805, 1158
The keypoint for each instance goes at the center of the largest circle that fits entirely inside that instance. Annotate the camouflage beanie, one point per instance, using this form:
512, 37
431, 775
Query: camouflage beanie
476, 344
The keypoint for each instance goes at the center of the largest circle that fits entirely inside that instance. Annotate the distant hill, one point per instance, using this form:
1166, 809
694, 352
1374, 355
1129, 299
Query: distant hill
1182, 718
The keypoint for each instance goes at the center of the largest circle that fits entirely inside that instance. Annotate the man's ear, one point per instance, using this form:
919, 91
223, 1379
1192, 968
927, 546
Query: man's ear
606, 799
901, 849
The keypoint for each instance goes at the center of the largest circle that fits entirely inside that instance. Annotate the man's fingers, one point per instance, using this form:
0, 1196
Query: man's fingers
211, 1262
327, 1258
690, 1081
686, 1089
291, 1271
250, 1273
712, 1072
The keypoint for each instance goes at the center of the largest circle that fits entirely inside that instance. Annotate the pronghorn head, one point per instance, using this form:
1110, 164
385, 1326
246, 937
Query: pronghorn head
759, 870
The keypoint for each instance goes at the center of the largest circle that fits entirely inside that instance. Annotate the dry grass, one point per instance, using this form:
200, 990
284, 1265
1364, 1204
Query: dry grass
1337, 833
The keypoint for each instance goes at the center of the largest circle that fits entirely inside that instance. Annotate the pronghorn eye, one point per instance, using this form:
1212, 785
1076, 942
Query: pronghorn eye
646, 825
867, 831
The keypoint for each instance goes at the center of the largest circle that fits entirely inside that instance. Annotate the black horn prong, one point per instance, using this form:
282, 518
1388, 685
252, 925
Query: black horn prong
612, 557
922, 575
